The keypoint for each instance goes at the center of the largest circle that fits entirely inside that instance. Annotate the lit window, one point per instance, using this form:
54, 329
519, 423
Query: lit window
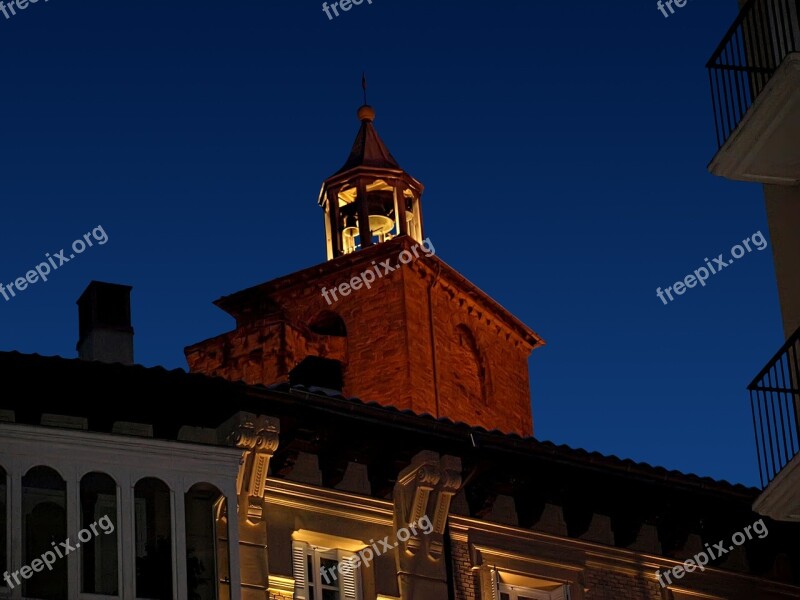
512, 592
324, 573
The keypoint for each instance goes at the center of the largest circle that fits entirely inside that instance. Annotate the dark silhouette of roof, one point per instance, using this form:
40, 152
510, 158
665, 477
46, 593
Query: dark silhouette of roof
169, 399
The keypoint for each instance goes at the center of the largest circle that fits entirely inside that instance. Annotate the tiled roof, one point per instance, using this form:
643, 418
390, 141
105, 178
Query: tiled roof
531, 445
369, 151
168, 399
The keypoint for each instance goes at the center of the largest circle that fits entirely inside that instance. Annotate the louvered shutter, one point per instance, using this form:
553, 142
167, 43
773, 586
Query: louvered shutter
495, 583
561, 593
299, 570
349, 577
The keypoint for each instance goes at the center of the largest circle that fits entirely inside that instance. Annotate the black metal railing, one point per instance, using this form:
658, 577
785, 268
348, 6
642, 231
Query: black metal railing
764, 33
775, 402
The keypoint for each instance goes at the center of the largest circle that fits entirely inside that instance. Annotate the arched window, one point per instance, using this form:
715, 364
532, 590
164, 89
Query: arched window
153, 539
44, 528
99, 517
328, 323
206, 542
469, 372
3, 523
319, 372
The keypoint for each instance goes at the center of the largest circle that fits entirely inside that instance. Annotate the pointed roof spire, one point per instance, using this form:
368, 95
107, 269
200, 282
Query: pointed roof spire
368, 148
370, 195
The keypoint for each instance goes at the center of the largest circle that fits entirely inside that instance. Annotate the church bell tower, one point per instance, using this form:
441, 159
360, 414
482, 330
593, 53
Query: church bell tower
419, 337
370, 199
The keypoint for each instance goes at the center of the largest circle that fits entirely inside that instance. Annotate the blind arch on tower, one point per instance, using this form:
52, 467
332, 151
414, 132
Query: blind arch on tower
470, 376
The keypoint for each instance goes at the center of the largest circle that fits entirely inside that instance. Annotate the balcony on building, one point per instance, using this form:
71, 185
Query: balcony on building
775, 404
755, 88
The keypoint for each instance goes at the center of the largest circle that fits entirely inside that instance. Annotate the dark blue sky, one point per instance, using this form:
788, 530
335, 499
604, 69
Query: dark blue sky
563, 146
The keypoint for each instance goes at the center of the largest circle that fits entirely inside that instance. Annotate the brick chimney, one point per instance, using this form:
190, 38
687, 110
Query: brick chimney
104, 314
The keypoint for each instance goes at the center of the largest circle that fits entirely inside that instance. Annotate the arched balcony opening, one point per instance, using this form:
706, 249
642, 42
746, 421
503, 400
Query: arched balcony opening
207, 567
152, 507
44, 528
99, 553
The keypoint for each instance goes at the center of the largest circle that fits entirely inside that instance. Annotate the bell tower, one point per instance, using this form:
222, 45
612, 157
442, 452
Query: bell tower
369, 200
419, 337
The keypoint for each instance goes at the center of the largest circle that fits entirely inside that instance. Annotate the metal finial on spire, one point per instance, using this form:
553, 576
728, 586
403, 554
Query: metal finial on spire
364, 86
366, 112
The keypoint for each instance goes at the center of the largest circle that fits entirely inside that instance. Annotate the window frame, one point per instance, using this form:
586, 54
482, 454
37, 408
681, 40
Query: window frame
313, 556
515, 591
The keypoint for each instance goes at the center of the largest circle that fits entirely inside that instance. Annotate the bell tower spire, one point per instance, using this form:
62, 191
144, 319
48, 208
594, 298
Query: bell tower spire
371, 199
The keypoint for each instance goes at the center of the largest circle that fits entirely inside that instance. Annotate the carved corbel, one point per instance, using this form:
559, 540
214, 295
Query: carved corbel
449, 484
425, 489
258, 437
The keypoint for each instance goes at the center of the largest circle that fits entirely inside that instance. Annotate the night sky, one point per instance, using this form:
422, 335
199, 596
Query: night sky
563, 146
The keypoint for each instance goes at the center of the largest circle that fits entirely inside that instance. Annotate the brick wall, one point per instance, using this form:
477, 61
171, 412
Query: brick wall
504, 401
465, 582
610, 585
481, 363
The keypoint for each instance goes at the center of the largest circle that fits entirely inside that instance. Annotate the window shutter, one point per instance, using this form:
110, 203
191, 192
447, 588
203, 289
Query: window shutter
495, 581
561, 593
299, 570
349, 577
